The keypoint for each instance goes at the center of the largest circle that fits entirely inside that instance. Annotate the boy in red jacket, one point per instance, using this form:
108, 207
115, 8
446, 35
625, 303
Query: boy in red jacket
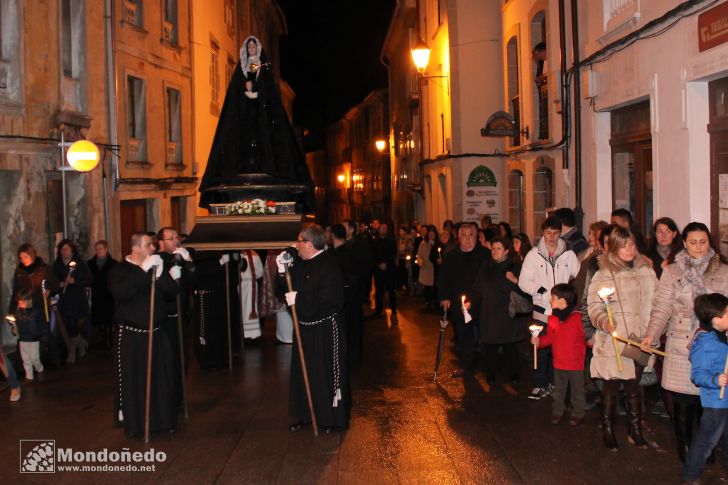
566, 337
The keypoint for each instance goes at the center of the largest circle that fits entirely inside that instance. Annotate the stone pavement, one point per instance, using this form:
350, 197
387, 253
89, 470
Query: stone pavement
404, 428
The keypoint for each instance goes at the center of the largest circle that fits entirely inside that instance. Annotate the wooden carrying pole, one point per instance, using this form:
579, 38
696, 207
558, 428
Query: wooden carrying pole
180, 340
725, 371
229, 329
297, 331
150, 341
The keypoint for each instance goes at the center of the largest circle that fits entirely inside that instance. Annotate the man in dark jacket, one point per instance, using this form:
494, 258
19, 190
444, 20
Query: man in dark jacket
353, 316
385, 271
457, 275
102, 304
574, 239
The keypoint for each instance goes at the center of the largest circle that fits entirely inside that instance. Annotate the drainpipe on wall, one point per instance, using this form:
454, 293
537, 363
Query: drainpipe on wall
111, 100
565, 122
578, 210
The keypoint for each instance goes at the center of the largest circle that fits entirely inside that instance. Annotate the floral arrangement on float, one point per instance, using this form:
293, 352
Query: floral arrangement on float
254, 207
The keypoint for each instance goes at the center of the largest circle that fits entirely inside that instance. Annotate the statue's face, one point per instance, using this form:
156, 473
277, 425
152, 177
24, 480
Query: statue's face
252, 47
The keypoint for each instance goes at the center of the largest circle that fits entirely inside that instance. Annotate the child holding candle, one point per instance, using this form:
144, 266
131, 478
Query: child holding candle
566, 338
30, 328
708, 355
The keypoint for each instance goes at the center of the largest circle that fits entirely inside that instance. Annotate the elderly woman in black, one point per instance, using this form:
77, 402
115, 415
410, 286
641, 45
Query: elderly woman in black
73, 277
490, 298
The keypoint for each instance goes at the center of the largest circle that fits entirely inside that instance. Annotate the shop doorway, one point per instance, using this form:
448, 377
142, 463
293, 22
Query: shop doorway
631, 142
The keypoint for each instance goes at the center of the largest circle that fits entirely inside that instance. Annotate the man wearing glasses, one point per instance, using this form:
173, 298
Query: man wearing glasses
318, 293
177, 259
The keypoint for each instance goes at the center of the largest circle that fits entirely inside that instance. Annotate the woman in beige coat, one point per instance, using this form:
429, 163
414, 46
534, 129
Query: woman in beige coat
697, 269
427, 269
631, 275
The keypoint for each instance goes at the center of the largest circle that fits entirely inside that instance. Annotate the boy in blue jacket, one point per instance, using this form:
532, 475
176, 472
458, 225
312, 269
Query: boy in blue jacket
708, 358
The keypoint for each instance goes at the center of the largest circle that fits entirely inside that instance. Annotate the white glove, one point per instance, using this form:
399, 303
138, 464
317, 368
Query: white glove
291, 298
281, 263
153, 260
224, 259
184, 253
175, 272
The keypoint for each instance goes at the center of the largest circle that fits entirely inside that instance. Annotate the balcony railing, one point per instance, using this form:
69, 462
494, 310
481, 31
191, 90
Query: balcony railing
172, 154
134, 149
168, 33
70, 94
130, 12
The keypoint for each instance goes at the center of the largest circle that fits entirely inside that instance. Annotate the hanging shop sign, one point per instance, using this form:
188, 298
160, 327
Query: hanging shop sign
500, 123
713, 27
482, 194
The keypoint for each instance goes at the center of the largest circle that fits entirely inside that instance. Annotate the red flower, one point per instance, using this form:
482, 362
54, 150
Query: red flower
270, 203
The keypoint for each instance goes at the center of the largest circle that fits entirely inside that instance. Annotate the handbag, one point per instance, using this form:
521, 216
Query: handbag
639, 356
519, 304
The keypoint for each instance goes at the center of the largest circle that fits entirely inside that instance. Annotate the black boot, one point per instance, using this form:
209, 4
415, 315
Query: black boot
680, 422
634, 413
609, 409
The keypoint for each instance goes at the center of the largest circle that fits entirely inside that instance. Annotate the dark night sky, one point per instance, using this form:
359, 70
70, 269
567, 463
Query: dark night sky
330, 56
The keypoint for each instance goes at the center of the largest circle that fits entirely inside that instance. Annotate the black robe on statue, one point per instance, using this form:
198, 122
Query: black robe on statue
130, 287
319, 283
255, 153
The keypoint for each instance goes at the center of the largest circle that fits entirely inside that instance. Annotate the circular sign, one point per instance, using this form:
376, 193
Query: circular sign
83, 156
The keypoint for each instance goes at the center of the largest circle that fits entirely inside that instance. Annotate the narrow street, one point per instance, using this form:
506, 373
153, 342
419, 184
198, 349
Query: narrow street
404, 428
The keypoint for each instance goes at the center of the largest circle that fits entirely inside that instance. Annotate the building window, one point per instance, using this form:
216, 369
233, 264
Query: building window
618, 13
174, 127
543, 194
539, 55
230, 17
214, 73
514, 98
136, 119
72, 58
9, 50
170, 23
133, 10
229, 70
515, 200
631, 142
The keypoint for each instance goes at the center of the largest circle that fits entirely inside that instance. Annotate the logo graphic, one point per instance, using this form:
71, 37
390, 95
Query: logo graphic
481, 176
37, 456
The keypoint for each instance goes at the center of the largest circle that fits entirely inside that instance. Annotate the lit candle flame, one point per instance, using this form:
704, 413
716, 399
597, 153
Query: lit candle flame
604, 293
462, 299
408, 257
72, 264
535, 329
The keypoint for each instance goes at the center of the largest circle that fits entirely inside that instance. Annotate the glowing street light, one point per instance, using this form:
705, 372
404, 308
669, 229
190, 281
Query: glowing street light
381, 144
421, 56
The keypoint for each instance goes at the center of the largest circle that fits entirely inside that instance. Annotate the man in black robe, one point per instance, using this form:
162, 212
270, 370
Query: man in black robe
353, 315
385, 271
318, 293
457, 274
130, 284
173, 254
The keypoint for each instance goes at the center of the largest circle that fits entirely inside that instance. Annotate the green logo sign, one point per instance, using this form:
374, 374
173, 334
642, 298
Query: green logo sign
481, 176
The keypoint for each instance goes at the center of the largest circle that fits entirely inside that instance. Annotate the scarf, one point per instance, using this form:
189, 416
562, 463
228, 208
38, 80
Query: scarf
693, 271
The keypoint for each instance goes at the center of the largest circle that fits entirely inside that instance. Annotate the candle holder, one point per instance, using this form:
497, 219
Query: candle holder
535, 332
466, 314
604, 295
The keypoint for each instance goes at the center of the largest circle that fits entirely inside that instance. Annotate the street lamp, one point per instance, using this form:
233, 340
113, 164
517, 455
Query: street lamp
341, 178
421, 56
381, 144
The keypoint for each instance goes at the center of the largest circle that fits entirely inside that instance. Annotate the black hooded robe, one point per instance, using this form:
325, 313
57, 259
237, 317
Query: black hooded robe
130, 286
320, 287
